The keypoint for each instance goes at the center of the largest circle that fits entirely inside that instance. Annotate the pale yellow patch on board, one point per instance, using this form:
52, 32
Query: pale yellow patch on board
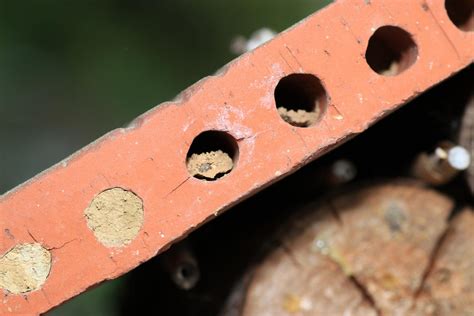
210, 165
115, 216
24, 268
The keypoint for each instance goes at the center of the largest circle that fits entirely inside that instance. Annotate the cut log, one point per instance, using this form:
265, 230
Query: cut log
362, 252
449, 286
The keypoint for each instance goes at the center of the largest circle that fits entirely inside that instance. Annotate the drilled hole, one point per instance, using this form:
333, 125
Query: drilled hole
186, 271
461, 13
300, 99
391, 50
212, 155
186, 275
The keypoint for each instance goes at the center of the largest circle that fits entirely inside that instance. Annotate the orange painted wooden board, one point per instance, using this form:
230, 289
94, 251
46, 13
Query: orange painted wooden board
146, 162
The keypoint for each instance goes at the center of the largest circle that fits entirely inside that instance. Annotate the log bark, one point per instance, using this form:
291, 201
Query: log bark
449, 286
378, 250
466, 139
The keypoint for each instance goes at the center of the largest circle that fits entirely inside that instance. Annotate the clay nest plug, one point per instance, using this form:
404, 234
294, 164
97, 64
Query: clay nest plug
299, 118
210, 165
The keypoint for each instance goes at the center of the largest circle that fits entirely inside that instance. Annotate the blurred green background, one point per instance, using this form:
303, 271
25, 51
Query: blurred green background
72, 70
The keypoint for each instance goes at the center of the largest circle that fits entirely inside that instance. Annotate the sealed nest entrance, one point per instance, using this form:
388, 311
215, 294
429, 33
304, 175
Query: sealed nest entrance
24, 268
115, 216
212, 155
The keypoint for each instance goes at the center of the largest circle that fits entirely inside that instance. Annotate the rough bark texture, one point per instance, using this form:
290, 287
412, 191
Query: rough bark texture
449, 286
379, 250
466, 138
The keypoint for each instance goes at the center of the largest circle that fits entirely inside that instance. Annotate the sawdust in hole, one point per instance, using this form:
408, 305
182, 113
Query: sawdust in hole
210, 165
300, 118
24, 268
115, 216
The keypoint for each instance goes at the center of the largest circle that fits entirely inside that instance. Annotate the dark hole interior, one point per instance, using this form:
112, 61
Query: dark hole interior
461, 13
186, 271
213, 141
391, 50
299, 92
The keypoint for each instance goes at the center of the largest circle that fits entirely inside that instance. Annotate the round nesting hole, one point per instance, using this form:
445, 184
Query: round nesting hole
24, 268
115, 216
187, 275
391, 51
212, 155
461, 13
301, 99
